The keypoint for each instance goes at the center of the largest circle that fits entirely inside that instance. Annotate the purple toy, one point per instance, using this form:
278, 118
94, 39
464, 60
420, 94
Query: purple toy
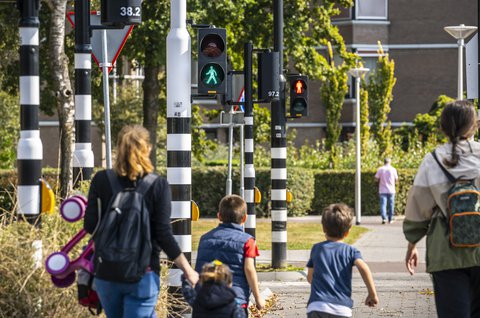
73, 208
58, 264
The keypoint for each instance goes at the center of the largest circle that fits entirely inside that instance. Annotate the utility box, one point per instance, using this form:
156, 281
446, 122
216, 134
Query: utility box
268, 76
121, 12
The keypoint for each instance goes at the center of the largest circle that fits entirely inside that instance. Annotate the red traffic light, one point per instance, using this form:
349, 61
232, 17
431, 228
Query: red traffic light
212, 45
299, 87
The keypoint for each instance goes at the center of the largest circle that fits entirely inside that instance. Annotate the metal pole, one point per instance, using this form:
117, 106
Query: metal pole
460, 69
358, 166
249, 179
83, 158
230, 153
106, 100
114, 88
179, 145
279, 153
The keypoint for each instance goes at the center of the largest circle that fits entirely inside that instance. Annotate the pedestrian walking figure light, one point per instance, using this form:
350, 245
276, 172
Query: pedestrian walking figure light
212, 61
298, 95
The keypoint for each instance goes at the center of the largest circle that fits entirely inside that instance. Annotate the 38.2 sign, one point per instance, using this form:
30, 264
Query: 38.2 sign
130, 11
120, 13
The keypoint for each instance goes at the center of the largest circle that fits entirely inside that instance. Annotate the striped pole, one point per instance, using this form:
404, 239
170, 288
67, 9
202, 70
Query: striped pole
179, 140
29, 149
249, 176
279, 153
82, 154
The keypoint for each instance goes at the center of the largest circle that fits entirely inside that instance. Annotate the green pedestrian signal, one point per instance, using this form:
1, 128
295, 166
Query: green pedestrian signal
212, 75
212, 61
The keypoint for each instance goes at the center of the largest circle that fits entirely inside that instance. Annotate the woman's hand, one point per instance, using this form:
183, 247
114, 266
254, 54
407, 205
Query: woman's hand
192, 276
411, 259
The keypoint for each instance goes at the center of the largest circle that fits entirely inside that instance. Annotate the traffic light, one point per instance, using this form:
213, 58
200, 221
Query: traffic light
212, 61
298, 95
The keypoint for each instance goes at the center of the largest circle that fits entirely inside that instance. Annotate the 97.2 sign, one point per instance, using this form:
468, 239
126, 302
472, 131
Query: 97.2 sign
121, 12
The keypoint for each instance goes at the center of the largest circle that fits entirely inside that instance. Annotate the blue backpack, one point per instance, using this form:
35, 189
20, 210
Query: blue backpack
123, 241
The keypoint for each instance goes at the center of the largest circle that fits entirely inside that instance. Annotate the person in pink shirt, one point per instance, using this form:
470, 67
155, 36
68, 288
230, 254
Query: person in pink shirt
386, 177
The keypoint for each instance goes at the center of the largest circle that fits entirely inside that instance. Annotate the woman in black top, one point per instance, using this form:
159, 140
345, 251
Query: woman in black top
132, 164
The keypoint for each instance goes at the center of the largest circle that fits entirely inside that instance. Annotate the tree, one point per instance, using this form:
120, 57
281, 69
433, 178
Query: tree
8, 129
62, 89
380, 95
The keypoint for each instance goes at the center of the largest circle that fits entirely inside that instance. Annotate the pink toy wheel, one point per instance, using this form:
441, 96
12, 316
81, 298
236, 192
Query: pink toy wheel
57, 263
73, 209
64, 282
82, 197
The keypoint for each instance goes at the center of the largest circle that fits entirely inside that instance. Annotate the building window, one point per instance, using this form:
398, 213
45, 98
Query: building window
345, 14
371, 9
364, 10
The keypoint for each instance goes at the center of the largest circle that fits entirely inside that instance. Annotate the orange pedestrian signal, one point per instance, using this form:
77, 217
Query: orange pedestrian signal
298, 95
299, 87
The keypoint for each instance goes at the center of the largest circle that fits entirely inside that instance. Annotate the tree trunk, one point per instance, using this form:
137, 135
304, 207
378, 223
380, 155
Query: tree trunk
151, 92
63, 91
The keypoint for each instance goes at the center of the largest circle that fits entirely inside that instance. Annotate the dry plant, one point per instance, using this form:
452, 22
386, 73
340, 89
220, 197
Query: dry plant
26, 289
270, 303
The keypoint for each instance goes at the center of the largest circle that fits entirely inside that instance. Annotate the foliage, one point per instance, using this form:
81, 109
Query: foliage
364, 120
334, 88
200, 143
380, 87
26, 289
427, 125
9, 129
339, 186
9, 57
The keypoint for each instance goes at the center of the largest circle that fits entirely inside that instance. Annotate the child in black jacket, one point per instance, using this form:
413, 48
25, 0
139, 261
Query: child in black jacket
213, 296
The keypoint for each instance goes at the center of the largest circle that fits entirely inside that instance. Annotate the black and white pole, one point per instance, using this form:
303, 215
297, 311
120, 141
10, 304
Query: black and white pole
83, 154
279, 153
179, 144
30, 148
249, 173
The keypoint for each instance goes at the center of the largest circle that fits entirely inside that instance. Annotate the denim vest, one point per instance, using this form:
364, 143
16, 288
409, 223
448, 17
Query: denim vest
226, 243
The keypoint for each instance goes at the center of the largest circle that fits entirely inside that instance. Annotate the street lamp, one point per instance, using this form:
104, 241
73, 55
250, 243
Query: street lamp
460, 32
358, 73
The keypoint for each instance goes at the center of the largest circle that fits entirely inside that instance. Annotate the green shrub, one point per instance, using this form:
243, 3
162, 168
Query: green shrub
312, 189
339, 186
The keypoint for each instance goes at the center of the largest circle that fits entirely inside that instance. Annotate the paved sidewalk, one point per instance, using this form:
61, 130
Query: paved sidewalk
383, 248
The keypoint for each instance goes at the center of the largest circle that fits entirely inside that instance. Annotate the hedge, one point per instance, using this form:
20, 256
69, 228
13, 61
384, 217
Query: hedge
312, 189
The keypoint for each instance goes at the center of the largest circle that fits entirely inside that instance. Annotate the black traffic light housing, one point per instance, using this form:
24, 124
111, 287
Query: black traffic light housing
121, 12
212, 61
298, 95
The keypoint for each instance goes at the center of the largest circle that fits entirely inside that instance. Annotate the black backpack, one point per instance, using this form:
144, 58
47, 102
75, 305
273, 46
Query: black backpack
123, 243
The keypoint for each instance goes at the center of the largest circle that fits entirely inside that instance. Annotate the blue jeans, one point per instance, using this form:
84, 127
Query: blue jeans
387, 200
129, 300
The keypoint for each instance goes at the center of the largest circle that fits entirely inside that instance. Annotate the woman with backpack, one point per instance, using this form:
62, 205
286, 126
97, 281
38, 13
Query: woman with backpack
127, 202
443, 205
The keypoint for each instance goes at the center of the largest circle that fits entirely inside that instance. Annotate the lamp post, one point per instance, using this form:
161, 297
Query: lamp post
460, 32
358, 73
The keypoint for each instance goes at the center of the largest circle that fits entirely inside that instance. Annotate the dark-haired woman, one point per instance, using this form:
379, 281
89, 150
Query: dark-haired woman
455, 270
132, 300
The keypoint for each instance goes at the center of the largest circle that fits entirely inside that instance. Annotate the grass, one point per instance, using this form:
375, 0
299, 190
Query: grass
301, 235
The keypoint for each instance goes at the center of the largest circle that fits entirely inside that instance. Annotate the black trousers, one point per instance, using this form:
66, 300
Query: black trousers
457, 292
